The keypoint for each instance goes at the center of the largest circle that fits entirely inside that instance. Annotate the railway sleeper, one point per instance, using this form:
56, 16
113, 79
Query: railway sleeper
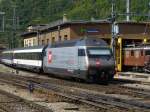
98, 97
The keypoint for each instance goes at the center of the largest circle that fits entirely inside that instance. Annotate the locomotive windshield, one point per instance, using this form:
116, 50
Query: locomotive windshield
99, 52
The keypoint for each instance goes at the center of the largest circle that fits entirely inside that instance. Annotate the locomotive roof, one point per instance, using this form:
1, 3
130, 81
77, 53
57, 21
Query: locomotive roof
86, 41
24, 48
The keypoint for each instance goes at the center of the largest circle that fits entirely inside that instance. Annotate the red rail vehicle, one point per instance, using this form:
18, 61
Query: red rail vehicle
137, 58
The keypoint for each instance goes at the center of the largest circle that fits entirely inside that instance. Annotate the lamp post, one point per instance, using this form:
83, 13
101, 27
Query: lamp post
3, 21
59, 37
149, 11
128, 10
38, 41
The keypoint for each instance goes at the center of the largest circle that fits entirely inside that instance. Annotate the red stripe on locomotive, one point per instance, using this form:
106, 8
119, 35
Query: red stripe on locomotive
49, 56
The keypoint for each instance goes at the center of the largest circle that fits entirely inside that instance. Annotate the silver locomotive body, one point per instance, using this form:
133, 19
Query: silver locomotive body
90, 59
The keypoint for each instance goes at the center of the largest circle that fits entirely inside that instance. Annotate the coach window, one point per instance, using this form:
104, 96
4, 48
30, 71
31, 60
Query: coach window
17, 56
137, 54
40, 56
22, 55
26, 56
34, 56
127, 54
30, 56
132, 53
37, 56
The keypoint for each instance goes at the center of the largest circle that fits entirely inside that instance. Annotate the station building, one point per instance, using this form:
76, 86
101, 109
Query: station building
127, 33
60, 31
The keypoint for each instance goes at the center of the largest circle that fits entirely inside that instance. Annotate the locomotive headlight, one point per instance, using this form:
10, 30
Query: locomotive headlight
98, 63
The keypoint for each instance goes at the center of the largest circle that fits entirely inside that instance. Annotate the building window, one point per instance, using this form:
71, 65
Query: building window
29, 42
34, 43
53, 39
59, 38
42, 42
65, 37
47, 41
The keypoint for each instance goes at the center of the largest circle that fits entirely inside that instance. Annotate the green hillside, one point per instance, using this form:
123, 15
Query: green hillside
46, 11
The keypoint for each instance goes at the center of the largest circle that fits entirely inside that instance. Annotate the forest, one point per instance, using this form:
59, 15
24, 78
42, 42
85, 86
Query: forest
34, 12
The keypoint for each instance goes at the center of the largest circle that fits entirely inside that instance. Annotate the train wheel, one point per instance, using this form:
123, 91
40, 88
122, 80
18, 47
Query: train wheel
111, 77
90, 79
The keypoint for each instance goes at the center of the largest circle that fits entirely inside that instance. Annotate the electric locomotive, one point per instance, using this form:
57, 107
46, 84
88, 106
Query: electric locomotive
90, 59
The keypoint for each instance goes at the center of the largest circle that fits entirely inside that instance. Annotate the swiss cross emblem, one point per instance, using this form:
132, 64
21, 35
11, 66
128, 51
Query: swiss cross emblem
49, 57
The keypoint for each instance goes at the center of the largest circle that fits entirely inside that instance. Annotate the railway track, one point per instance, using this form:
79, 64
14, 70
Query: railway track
11, 103
106, 100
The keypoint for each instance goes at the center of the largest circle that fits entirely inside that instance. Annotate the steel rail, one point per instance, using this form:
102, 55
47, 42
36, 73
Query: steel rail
20, 100
97, 97
93, 98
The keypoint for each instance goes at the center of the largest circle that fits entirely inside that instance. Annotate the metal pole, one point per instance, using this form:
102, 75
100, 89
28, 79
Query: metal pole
149, 11
3, 24
128, 10
113, 25
38, 37
59, 38
3, 21
14, 27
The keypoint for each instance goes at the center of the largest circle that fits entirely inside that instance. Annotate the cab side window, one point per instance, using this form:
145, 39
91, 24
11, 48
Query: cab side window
81, 52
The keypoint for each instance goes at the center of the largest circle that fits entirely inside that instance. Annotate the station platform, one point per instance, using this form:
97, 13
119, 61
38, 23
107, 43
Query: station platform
142, 77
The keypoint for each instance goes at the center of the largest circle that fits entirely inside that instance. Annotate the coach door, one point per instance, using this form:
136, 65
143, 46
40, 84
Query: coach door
81, 56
